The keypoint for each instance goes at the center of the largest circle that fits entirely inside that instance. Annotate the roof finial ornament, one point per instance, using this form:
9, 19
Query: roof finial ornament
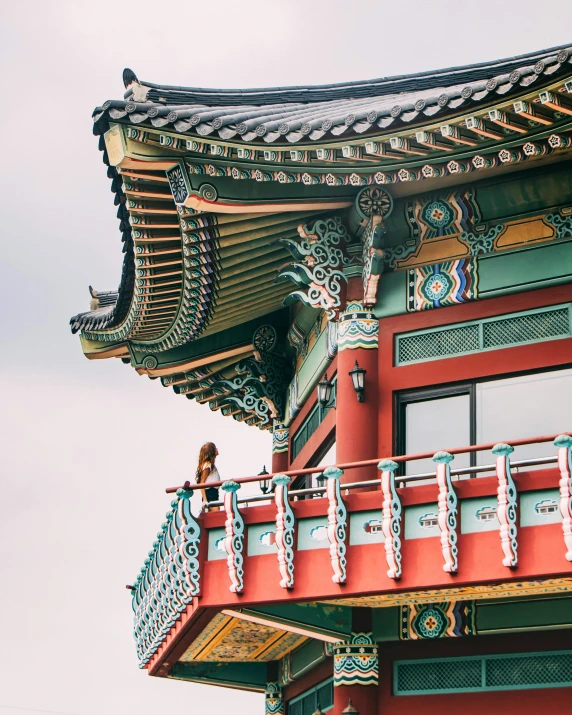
129, 77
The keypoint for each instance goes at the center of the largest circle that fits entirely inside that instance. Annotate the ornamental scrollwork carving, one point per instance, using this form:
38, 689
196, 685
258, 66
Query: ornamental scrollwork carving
447, 517
391, 519
284, 530
169, 578
234, 531
562, 224
506, 510
259, 389
337, 524
564, 444
318, 269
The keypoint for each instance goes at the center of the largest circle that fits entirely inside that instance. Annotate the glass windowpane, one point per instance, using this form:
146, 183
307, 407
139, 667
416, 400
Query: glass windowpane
433, 425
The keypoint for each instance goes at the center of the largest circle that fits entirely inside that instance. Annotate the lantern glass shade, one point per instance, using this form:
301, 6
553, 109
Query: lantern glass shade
320, 480
264, 483
325, 388
358, 380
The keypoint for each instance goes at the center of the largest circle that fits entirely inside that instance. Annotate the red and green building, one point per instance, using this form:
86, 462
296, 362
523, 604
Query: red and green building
378, 273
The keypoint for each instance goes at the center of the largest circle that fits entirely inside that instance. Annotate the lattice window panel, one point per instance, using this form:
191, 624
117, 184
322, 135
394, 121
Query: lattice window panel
489, 334
498, 672
441, 343
526, 328
550, 669
427, 676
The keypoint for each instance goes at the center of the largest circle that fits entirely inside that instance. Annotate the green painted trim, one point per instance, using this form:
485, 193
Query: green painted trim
306, 527
214, 535
386, 624
358, 522
532, 614
531, 516
412, 516
483, 688
255, 533
332, 618
246, 676
525, 269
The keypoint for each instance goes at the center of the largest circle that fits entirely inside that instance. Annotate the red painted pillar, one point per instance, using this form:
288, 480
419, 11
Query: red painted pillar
356, 668
280, 436
356, 422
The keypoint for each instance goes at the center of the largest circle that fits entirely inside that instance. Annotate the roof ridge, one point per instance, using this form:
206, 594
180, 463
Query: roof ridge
448, 72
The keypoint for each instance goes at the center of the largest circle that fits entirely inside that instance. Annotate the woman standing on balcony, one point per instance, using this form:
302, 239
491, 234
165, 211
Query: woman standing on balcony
207, 471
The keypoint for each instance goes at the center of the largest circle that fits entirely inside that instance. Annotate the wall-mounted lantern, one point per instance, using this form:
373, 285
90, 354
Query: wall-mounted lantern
358, 380
264, 482
325, 389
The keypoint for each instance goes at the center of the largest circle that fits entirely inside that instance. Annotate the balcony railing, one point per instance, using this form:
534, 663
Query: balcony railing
170, 577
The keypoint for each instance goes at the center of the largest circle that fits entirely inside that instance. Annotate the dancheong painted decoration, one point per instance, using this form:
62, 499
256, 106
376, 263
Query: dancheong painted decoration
378, 274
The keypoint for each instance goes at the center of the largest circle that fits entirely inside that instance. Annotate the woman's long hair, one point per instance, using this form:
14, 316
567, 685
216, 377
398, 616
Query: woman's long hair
207, 454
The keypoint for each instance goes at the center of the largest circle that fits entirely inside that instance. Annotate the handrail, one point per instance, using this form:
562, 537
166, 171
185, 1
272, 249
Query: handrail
538, 461
373, 462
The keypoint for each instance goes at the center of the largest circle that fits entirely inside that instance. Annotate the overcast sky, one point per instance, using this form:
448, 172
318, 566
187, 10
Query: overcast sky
87, 448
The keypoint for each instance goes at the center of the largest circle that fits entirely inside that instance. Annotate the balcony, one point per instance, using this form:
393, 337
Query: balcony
503, 528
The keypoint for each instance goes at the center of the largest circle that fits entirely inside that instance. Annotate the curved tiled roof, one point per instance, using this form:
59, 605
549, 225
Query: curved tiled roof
295, 114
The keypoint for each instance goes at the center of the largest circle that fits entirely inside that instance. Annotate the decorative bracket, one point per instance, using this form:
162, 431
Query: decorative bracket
564, 444
233, 543
391, 519
337, 523
261, 383
318, 270
506, 511
447, 511
284, 530
372, 259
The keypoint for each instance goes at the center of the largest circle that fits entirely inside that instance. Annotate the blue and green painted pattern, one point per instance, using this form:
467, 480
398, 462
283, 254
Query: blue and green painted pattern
442, 284
356, 662
358, 328
448, 619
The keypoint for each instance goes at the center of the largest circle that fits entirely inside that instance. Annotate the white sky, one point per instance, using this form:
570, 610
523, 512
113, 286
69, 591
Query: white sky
87, 448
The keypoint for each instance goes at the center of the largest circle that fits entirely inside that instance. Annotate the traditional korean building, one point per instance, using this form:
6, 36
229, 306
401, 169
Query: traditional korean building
379, 274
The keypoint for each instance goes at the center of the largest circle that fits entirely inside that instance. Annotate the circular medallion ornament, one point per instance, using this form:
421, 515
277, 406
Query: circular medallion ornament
208, 192
430, 622
437, 214
265, 339
373, 201
437, 286
150, 362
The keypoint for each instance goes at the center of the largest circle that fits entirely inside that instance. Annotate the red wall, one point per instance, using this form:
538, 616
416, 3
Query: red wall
465, 367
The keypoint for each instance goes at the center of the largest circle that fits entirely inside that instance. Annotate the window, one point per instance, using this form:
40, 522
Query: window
484, 412
321, 696
429, 420
311, 424
524, 406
